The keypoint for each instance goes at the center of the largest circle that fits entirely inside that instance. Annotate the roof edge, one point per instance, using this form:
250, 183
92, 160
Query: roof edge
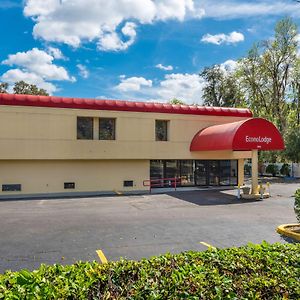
119, 105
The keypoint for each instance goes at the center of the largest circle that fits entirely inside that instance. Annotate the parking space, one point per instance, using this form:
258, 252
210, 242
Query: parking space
66, 230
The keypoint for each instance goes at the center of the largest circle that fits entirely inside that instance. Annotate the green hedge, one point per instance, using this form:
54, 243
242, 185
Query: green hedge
297, 205
252, 272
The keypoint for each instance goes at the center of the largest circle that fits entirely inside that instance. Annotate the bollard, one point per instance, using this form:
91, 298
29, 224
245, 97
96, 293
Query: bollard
239, 192
269, 190
261, 191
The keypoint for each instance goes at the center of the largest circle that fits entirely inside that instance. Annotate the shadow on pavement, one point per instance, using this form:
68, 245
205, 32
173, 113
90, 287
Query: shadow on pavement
206, 198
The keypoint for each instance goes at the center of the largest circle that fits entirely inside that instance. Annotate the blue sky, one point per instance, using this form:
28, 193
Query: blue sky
147, 50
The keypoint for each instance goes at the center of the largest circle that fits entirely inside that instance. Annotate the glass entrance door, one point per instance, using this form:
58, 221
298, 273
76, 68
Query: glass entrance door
201, 172
214, 172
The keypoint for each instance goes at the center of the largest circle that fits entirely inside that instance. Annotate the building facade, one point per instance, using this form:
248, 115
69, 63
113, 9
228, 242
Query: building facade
53, 145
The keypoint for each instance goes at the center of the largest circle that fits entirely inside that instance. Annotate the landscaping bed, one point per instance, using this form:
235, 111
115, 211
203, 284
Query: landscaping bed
252, 272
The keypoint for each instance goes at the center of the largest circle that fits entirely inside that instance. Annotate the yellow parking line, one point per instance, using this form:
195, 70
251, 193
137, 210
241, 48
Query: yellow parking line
207, 245
118, 193
102, 257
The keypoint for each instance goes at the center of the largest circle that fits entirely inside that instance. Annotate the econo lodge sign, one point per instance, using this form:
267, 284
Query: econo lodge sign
259, 139
249, 134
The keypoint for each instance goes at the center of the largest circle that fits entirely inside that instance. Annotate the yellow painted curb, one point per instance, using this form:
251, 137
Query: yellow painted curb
102, 257
118, 193
207, 245
283, 229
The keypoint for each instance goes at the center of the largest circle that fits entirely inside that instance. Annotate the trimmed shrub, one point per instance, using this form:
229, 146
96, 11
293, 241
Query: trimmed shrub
297, 205
272, 169
285, 170
252, 272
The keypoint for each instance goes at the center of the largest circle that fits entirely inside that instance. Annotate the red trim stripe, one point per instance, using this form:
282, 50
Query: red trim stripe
118, 105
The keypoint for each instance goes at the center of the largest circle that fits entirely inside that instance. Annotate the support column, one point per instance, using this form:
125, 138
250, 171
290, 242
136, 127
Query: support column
96, 129
240, 171
254, 172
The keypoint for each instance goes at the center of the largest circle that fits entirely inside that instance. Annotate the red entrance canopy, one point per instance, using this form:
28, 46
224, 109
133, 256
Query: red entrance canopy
254, 133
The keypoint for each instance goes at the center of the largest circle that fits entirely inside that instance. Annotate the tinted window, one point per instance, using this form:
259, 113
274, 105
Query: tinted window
11, 187
128, 183
84, 128
107, 128
161, 130
69, 185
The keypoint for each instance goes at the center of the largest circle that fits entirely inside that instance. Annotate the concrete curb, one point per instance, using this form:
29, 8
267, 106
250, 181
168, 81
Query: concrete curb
284, 230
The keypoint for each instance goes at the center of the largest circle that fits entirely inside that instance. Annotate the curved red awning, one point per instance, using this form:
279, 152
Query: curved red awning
254, 133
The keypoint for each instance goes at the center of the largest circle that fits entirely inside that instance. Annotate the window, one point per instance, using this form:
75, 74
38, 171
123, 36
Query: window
84, 128
128, 183
69, 185
161, 130
11, 187
107, 129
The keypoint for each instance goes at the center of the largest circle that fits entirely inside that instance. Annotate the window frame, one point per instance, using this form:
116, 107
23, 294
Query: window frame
167, 122
114, 129
77, 127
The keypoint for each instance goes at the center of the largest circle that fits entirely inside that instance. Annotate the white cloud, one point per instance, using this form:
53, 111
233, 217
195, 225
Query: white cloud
221, 38
14, 75
83, 71
38, 62
230, 9
36, 67
111, 41
229, 65
165, 68
133, 83
55, 52
186, 87
77, 21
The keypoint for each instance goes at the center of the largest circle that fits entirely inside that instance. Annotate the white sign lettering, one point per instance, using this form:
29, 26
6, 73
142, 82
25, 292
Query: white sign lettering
259, 139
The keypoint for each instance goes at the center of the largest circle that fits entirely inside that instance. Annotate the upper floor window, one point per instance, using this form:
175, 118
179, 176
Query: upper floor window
161, 130
85, 128
107, 129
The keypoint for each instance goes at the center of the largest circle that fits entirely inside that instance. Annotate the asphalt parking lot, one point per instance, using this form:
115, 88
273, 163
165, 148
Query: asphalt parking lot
66, 230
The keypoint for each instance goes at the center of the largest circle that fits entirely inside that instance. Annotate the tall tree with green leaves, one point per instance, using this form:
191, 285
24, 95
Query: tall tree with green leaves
177, 101
295, 96
221, 88
265, 74
3, 88
21, 87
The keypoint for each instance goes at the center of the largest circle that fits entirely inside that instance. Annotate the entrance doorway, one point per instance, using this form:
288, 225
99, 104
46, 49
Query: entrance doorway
196, 172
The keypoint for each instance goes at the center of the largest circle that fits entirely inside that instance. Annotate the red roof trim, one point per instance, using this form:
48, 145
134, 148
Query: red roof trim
118, 105
249, 134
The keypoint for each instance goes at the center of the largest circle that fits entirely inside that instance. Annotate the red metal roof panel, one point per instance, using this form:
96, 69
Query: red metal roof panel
118, 105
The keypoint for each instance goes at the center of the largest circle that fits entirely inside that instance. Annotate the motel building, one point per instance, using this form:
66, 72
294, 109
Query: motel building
58, 146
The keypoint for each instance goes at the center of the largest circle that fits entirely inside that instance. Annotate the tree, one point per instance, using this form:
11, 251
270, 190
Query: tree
292, 143
3, 88
177, 101
221, 88
21, 87
265, 74
295, 95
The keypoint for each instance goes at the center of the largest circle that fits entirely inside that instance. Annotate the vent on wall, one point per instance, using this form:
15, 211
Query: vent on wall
11, 187
69, 185
128, 183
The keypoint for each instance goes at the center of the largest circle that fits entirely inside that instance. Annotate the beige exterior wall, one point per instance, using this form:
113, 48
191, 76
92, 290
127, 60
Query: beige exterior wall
39, 148
50, 133
89, 176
